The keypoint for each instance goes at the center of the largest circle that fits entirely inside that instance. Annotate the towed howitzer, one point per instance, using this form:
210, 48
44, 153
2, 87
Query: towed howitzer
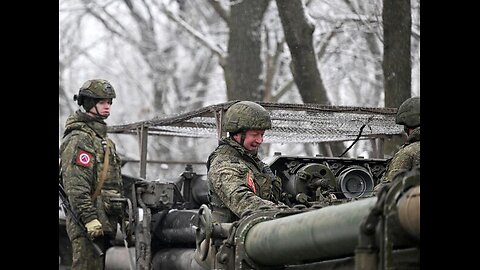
340, 224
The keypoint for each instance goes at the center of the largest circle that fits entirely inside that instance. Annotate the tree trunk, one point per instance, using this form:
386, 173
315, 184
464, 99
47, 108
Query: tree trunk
298, 34
244, 64
397, 69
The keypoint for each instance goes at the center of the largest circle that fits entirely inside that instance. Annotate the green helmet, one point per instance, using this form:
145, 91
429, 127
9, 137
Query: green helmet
100, 89
408, 114
93, 90
245, 115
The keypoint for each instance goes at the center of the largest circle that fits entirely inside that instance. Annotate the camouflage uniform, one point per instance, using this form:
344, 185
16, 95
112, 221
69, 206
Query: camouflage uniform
408, 156
82, 156
239, 181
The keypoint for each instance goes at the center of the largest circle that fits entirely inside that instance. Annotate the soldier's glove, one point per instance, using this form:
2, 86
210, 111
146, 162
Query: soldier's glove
94, 228
115, 208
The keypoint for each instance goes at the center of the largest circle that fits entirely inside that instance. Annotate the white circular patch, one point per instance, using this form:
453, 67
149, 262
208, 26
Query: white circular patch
84, 159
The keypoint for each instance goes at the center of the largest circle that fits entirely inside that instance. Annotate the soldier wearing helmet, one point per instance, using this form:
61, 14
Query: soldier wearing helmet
91, 173
408, 156
93, 91
238, 180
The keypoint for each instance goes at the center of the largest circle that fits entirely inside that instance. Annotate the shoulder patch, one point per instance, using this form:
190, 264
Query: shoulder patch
84, 158
250, 182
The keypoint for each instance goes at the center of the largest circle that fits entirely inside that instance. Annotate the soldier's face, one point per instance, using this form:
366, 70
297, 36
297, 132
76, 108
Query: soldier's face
103, 107
253, 139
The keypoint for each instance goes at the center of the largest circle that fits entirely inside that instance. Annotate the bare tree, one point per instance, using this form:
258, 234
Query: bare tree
244, 64
397, 25
173, 56
368, 15
153, 54
298, 34
397, 68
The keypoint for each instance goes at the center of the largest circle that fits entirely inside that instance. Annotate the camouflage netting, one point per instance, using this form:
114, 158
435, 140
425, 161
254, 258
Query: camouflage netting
291, 123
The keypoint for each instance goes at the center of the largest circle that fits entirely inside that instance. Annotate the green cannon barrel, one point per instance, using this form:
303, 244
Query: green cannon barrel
329, 232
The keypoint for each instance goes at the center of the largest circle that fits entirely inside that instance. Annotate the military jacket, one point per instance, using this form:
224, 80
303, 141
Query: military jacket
239, 181
82, 155
407, 157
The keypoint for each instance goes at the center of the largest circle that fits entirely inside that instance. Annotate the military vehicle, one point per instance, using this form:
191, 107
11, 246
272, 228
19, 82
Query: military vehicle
330, 218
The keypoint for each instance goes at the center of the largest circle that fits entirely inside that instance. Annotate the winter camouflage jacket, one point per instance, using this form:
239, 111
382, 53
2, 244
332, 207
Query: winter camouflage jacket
82, 156
239, 181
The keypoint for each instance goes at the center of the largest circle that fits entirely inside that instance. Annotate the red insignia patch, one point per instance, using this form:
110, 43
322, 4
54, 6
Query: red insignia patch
250, 183
84, 159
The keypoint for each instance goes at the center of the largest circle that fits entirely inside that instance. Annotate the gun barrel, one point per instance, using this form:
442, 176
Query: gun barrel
328, 232
409, 211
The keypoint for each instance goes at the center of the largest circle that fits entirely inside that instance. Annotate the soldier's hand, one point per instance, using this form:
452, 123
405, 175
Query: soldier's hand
94, 228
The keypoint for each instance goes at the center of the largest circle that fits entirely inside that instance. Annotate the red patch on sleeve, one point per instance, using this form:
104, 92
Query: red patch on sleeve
250, 182
84, 159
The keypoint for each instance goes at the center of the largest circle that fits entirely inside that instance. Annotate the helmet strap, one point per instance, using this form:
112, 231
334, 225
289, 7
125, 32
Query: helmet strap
97, 114
242, 137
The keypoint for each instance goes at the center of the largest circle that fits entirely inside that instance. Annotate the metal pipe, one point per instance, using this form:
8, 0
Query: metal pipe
175, 259
143, 151
409, 211
116, 258
177, 227
329, 232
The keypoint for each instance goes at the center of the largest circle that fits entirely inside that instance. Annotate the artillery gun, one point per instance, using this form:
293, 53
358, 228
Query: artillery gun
330, 220
353, 232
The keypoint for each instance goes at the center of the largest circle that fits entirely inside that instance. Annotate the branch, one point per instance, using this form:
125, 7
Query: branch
151, 20
215, 48
272, 65
107, 25
283, 90
222, 12
326, 41
366, 20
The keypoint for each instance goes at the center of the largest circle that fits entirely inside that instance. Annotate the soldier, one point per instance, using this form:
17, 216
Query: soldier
408, 156
238, 180
91, 174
